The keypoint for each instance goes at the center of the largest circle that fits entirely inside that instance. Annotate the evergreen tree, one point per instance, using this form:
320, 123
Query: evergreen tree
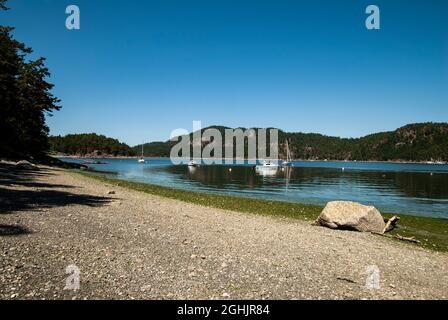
25, 98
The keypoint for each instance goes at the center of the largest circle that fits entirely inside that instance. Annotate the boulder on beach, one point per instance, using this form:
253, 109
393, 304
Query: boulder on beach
347, 215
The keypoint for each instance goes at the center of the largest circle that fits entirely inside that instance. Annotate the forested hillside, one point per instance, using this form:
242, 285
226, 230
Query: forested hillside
89, 144
413, 142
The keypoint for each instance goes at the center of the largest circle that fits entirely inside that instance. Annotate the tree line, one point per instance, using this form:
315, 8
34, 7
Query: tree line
89, 144
413, 142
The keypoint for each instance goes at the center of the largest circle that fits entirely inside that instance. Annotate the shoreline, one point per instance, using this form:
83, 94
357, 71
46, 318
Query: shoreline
223, 159
432, 232
131, 244
389, 211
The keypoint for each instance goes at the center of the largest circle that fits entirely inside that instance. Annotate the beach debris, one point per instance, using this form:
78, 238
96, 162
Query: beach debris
347, 215
346, 279
391, 224
110, 192
410, 239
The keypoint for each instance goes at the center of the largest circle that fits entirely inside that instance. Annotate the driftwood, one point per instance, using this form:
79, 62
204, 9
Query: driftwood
346, 279
398, 237
410, 239
391, 223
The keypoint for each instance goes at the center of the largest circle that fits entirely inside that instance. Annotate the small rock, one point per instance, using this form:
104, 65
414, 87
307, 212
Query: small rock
111, 192
226, 295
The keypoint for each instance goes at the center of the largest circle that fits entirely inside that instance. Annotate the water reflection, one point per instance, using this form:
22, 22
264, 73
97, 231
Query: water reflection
412, 184
267, 172
419, 192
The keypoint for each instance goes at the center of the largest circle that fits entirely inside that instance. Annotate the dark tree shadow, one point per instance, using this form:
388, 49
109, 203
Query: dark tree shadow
12, 230
21, 200
10, 175
13, 200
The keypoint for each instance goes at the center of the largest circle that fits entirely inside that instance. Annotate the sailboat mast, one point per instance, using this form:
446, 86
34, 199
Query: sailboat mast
288, 155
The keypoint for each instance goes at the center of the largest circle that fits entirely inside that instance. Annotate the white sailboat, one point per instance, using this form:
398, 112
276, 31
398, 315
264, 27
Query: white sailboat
288, 161
142, 158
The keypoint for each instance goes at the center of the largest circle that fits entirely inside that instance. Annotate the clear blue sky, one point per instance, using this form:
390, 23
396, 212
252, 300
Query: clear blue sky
138, 69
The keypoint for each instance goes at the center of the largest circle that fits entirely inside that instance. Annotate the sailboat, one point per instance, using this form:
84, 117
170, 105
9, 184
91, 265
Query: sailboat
288, 161
142, 158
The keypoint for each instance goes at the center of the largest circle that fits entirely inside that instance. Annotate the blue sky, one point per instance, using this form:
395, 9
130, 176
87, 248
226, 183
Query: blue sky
139, 69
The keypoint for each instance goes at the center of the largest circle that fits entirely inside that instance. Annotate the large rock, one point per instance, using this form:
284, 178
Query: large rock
348, 215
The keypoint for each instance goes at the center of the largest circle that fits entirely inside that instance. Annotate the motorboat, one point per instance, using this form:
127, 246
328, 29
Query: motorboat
267, 169
267, 165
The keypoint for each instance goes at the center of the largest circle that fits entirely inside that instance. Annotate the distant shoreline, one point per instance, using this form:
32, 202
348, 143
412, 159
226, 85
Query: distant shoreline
301, 160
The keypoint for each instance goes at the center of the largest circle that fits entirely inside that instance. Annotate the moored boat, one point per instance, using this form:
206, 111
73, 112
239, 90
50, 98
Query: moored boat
141, 160
193, 163
287, 162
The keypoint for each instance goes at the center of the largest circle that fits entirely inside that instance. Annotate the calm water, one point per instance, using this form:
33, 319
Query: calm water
418, 189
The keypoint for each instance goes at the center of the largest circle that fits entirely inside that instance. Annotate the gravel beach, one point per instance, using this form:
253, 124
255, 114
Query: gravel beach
132, 245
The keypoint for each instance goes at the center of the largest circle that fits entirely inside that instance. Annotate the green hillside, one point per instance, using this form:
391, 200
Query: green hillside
413, 142
89, 144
